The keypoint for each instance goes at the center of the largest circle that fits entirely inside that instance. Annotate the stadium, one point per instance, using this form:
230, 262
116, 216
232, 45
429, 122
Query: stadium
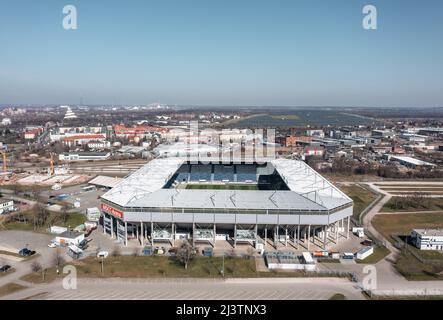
281, 201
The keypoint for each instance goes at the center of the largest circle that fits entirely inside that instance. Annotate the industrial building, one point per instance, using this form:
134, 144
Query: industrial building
83, 156
427, 239
6, 205
281, 200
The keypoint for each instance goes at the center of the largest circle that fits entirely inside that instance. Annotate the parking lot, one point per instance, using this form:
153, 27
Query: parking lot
87, 199
14, 241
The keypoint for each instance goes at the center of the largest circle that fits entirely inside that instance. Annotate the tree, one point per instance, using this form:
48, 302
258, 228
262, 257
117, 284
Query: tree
40, 216
185, 253
36, 266
58, 260
64, 213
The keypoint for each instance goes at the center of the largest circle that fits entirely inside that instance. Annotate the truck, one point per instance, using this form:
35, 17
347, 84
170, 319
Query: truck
321, 254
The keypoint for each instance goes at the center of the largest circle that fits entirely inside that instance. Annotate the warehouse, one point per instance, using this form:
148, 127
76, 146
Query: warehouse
282, 200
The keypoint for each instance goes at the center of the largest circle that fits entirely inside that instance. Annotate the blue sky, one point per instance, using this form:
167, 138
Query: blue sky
222, 52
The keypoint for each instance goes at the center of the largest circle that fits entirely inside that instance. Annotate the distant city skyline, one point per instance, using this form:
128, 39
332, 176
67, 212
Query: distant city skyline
222, 53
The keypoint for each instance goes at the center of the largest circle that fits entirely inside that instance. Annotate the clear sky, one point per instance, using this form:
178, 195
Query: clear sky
222, 52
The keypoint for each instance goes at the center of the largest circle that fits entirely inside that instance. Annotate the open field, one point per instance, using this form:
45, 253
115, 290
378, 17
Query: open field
10, 288
223, 186
403, 223
414, 270
361, 196
428, 204
53, 218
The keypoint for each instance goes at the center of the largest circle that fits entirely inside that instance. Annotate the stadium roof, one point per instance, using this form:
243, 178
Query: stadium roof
308, 190
105, 181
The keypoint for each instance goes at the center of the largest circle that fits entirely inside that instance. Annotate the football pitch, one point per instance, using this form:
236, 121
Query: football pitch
223, 186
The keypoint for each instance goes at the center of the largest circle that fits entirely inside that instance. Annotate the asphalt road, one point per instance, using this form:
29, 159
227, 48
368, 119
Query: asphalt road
194, 289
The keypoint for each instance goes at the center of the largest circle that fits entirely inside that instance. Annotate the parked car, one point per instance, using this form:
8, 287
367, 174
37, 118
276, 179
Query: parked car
53, 245
348, 255
102, 254
25, 252
5, 268
83, 244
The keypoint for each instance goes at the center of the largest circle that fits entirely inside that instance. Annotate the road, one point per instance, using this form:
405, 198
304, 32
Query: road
194, 289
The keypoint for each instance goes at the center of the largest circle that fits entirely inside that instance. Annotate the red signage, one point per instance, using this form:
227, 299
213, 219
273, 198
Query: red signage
111, 210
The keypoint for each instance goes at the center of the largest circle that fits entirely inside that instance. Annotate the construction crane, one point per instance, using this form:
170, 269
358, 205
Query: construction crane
51, 163
5, 166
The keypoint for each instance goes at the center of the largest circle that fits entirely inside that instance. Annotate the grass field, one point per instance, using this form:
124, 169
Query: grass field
154, 267
164, 267
431, 204
2, 274
361, 196
223, 186
414, 270
54, 218
10, 288
403, 223
379, 253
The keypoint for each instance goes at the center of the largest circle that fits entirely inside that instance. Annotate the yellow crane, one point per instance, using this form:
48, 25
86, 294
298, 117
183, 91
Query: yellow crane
5, 166
51, 163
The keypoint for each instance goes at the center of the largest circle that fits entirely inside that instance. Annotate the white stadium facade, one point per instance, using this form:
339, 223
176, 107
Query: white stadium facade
279, 200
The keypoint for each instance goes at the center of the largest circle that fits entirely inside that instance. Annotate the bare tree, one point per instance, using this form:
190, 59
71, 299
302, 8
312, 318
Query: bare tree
65, 213
418, 200
185, 253
40, 216
57, 259
36, 266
